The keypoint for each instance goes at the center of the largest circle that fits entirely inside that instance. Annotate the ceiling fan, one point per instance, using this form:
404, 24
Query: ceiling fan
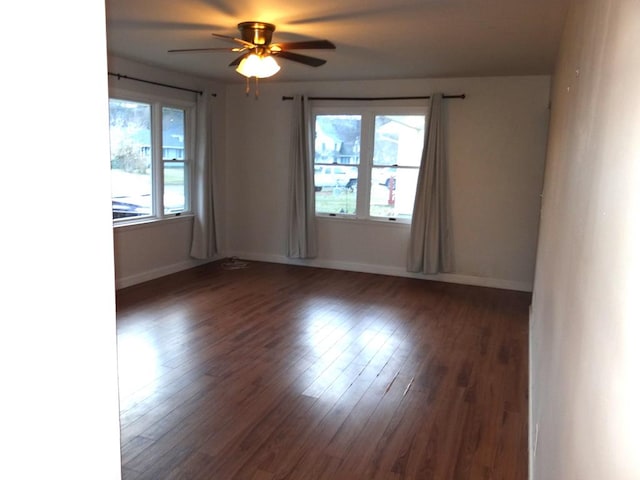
257, 51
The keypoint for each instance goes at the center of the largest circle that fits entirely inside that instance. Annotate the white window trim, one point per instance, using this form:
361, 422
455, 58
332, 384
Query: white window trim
157, 102
365, 167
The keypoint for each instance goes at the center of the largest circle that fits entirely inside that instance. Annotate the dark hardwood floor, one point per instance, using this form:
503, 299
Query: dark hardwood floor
283, 372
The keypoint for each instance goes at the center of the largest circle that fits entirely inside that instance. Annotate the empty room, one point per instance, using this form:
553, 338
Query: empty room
352, 240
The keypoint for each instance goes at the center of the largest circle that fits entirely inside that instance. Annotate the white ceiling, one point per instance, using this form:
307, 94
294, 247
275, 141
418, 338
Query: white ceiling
375, 39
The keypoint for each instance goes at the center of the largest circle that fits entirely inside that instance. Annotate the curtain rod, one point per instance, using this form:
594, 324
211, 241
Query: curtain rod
379, 98
119, 76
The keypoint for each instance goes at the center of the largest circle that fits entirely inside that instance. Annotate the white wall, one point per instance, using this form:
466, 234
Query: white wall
144, 252
59, 401
151, 250
585, 323
496, 145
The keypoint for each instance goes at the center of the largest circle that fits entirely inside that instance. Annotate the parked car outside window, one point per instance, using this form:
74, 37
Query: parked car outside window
333, 176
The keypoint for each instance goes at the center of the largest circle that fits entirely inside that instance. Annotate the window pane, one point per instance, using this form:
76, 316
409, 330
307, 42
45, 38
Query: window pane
337, 139
393, 191
174, 187
172, 133
172, 150
398, 140
130, 137
336, 188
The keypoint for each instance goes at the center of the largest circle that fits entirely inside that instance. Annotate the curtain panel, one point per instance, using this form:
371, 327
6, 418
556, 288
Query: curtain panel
203, 243
302, 234
430, 243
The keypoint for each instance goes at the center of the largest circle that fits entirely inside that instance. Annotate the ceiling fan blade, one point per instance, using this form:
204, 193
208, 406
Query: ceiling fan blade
188, 50
296, 57
237, 61
233, 39
307, 45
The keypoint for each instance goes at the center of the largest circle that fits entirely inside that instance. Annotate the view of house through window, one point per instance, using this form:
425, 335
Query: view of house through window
397, 149
336, 161
149, 170
366, 162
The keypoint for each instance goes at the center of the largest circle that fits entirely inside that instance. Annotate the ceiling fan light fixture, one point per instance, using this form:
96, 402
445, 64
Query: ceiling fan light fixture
258, 66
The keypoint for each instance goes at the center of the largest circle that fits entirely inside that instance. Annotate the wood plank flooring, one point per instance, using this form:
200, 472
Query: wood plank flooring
282, 372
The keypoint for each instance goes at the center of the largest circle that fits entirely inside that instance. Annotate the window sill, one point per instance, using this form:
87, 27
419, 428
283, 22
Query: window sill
152, 222
364, 221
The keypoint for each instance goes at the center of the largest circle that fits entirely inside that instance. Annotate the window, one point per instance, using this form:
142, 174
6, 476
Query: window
366, 161
150, 159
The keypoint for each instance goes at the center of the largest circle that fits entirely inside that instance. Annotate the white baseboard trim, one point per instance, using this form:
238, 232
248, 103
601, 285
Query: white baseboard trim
332, 264
532, 447
387, 270
159, 272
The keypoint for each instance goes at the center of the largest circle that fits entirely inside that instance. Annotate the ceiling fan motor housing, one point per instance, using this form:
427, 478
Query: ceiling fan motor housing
258, 33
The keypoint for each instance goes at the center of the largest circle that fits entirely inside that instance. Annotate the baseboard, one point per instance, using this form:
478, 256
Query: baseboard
532, 447
335, 265
387, 270
158, 272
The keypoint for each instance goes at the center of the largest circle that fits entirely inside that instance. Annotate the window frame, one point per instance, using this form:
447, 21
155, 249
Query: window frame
366, 165
157, 103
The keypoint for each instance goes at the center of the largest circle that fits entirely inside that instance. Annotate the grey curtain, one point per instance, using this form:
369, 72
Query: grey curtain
302, 235
429, 245
203, 242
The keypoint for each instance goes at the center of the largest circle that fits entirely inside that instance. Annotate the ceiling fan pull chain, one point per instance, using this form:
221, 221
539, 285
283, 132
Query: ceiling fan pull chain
247, 88
257, 89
